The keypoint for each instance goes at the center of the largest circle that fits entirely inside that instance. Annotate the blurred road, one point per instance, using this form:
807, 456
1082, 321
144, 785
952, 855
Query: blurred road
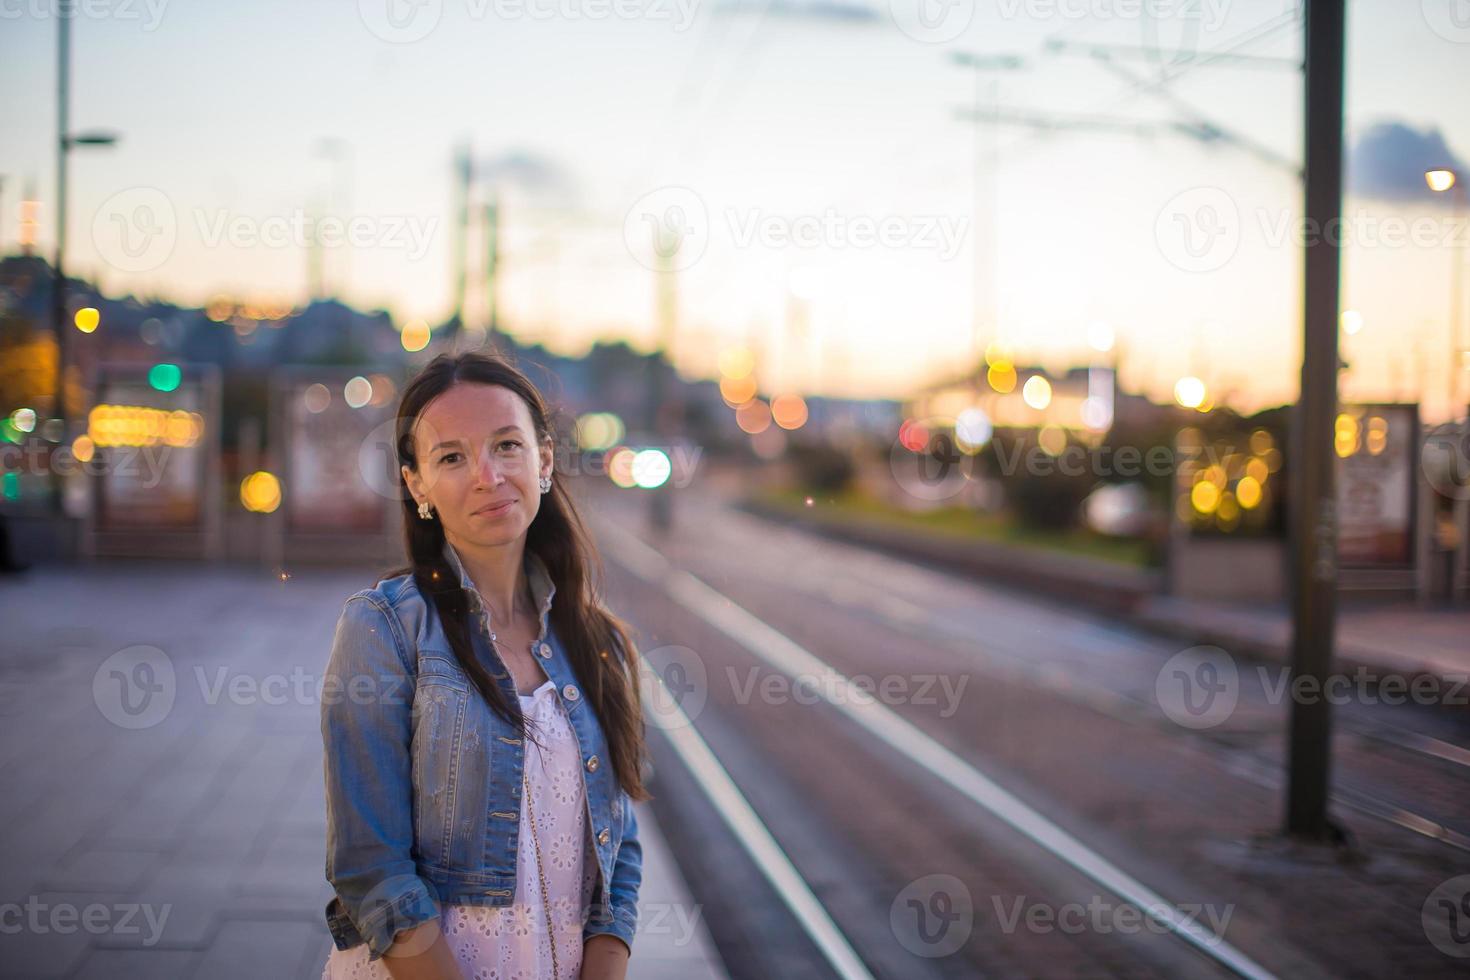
1053, 705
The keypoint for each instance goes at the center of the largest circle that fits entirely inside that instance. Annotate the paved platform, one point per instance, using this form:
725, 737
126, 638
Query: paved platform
161, 752
1401, 639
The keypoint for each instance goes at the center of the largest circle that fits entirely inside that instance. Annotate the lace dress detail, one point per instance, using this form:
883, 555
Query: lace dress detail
509, 942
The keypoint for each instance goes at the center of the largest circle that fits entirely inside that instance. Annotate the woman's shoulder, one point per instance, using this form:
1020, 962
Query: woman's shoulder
396, 598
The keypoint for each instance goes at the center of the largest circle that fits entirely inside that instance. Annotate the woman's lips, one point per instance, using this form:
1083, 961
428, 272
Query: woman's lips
494, 510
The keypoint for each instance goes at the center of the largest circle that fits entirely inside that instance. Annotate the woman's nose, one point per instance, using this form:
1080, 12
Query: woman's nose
485, 469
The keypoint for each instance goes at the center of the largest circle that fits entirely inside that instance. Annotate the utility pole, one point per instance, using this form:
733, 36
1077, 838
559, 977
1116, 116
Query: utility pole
1313, 462
492, 258
64, 14
463, 167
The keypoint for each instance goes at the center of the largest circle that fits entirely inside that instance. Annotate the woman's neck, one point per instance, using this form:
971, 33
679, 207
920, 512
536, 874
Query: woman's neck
498, 573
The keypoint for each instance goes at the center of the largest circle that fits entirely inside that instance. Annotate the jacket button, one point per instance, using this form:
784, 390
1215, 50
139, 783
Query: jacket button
603, 836
570, 692
544, 649
592, 764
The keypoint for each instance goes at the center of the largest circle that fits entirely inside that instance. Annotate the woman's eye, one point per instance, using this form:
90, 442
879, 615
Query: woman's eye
448, 457
509, 442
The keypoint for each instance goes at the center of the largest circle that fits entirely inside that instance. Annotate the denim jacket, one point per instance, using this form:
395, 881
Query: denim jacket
423, 780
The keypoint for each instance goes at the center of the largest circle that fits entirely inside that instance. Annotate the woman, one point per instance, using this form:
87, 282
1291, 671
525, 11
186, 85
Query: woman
480, 717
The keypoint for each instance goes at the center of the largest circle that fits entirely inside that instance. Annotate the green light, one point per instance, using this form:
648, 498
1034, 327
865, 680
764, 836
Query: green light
165, 377
12, 485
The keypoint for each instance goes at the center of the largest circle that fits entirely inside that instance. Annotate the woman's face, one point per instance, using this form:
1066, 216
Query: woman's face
479, 464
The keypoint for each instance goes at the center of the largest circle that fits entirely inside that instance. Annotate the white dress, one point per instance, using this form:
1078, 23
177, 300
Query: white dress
509, 942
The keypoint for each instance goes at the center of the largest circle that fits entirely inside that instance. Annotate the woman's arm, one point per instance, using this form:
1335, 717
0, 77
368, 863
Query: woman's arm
366, 721
614, 927
422, 953
604, 957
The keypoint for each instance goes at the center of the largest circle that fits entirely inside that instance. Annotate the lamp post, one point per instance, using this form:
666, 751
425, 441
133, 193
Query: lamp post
1447, 181
65, 140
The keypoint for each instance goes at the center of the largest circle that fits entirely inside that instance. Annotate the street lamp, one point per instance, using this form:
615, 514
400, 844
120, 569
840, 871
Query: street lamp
65, 140
1445, 180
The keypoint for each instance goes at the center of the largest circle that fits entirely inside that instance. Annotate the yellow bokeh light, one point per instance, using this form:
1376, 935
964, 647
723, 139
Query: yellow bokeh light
1001, 377
789, 411
87, 319
1189, 392
1345, 435
83, 448
1256, 469
260, 492
1261, 442
1205, 497
415, 336
1248, 492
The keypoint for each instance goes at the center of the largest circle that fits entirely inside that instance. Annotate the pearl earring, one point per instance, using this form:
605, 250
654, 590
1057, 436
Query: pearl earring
424, 511
546, 484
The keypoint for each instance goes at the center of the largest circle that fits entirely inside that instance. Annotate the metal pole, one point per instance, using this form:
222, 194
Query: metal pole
1314, 521
58, 282
492, 257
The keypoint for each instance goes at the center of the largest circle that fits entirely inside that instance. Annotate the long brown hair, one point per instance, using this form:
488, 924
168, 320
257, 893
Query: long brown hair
588, 632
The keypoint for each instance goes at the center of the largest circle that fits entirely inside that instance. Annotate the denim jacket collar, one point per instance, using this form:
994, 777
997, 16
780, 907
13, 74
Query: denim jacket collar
542, 587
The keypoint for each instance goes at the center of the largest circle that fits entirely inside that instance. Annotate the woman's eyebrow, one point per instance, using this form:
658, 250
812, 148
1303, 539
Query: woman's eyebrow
455, 442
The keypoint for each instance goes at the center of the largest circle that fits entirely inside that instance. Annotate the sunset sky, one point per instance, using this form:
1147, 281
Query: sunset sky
769, 120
